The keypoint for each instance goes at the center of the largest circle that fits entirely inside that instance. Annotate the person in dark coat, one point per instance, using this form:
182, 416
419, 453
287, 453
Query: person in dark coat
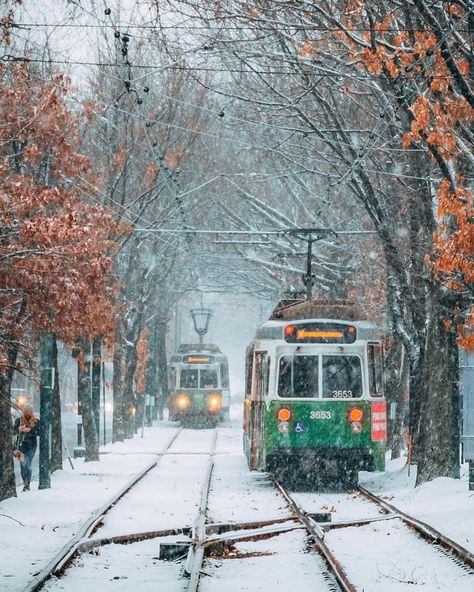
27, 429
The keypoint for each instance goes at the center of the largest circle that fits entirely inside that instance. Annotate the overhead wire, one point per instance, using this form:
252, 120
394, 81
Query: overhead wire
295, 27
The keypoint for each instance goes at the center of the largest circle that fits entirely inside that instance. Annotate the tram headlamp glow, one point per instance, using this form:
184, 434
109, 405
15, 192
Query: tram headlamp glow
182, 402
284, 427
214, 402
356, 414
284, 414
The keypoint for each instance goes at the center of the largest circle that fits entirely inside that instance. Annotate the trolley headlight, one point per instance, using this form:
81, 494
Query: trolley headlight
182, 401
214, 402
283, 427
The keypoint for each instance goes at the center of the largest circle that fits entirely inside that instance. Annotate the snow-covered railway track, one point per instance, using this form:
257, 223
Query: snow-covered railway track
196, 551
82, 538
121, 524
317, 533
424, 530
374, 542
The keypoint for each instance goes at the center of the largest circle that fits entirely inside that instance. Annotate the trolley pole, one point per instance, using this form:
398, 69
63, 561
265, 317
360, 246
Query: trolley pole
309, 279
310, 236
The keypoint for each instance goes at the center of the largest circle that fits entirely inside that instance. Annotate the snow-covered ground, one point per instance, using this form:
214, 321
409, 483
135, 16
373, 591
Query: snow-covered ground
445, 504
36, 524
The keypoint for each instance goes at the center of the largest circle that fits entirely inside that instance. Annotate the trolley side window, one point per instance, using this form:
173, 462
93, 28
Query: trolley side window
374, 354
248, 370
225, 376
261, 376
342, 377
189, 378
208, 378
172, 377
298, 376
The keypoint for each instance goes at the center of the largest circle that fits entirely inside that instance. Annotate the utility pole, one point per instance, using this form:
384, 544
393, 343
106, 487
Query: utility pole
47, 378
310, 236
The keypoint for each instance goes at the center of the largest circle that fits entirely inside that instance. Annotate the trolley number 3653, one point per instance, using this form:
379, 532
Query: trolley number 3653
320, 415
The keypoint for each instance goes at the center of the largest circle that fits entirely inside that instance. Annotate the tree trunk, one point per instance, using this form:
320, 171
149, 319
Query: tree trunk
88, 423
7, 472
96, 371
396, 387
151, 382
129, 399
162, 363
56, 427
118, 421
438, 426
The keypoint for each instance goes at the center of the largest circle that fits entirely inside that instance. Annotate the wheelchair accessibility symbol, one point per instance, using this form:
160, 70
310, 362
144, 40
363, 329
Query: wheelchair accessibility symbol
300, 427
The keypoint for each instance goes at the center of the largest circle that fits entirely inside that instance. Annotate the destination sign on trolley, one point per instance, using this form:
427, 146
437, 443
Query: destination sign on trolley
320, 333
196, 359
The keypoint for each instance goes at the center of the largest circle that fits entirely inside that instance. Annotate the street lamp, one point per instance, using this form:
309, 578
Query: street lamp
201, 317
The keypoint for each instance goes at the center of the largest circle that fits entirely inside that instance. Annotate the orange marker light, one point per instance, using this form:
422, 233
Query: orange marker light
351, 330
290, 330
356, 414
284, 414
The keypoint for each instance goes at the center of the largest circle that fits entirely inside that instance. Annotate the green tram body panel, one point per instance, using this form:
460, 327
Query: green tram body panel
320, 432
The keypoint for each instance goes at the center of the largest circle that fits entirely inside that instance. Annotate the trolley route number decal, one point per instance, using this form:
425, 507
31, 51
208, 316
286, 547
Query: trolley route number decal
320, 415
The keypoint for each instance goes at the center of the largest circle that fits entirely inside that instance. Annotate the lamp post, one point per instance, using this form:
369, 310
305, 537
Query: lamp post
201, 317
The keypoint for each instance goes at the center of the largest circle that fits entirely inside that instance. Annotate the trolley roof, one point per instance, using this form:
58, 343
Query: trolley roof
366, 330
186, 348
198, 353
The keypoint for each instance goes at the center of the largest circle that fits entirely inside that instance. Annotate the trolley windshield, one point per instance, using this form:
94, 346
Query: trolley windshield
208, 378
299, 376
342, 377
189, 378
194, 378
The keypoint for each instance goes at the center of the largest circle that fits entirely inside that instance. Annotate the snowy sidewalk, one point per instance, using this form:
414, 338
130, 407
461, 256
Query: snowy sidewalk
51, 516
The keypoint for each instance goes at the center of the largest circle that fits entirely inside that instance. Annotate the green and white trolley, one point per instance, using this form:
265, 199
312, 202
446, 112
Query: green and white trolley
314, 404
199, 389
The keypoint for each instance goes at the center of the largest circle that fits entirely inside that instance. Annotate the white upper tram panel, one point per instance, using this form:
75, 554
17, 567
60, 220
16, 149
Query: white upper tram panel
366, 331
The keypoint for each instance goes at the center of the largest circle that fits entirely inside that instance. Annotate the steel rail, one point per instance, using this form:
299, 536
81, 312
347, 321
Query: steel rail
425, 530
196, 550
65, 554
85, 546
318, 535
